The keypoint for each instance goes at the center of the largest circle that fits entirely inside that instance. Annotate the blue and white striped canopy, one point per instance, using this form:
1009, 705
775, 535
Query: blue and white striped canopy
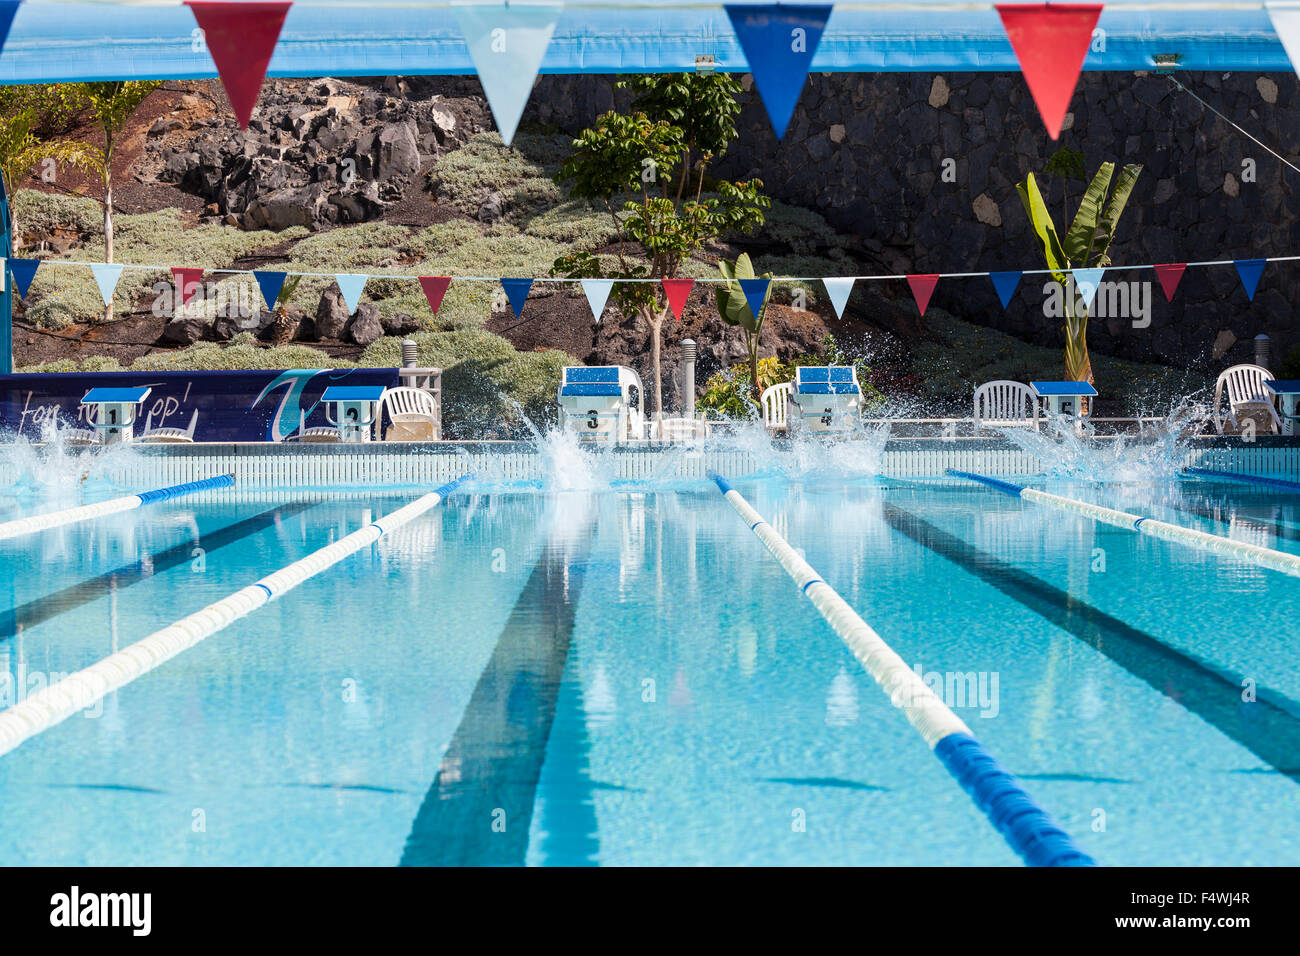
68, 40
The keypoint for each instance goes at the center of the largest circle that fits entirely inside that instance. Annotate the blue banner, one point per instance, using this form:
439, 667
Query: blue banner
253, 406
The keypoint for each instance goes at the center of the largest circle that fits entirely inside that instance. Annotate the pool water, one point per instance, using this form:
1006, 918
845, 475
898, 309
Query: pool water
625, 676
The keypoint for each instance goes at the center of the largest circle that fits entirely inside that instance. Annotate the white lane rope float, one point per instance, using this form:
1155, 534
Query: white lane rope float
62, 699
1202, 540
56, 519
1025, 826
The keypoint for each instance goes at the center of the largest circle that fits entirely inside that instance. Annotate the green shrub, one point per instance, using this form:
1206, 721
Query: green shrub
38, 212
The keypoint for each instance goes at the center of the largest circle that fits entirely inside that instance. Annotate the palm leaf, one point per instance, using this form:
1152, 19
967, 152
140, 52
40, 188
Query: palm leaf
1114, 209
1044, 228
1083, 231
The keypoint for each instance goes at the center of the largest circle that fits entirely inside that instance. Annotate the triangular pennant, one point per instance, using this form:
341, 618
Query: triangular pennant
922, 288
755, 293
23, 271
241, 38
270, 283
7, 10
435, 287
677, 291
838, 290
517, 292
106, 274
351, 285
779, 43
597, 292
1051, 42
507, 44
1005, 283
1250, 271
1086, 282
1286, 24
1170, 274
187, 282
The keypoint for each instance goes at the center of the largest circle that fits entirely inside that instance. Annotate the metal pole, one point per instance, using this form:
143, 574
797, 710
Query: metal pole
6, 297
1262, 350
689, 354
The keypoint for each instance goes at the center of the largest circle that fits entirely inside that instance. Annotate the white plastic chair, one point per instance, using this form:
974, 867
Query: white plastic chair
171, 436
1004, 404
775, 401
1247, 398
414, 414
678, 429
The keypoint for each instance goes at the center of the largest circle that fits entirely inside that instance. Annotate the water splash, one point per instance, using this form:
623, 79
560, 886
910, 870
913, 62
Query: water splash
55, 471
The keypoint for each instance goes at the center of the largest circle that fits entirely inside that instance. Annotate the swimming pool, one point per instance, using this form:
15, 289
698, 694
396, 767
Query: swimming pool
622, 675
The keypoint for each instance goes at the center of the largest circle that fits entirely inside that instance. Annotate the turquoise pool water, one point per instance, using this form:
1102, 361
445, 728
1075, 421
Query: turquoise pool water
625, 676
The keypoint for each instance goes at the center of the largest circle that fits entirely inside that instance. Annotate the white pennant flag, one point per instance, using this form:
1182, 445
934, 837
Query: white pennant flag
106, 275
597, 292
507, 44
1286, 24
1086, 282
838, 289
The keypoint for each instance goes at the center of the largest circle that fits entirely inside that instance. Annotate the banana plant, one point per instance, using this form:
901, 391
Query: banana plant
1086, 245
734, 309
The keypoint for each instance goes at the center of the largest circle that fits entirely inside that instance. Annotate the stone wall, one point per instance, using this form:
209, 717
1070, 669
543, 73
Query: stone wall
868, 151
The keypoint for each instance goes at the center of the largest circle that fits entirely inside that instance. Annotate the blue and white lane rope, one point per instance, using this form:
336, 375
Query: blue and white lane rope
1277, 483
62, 699
55, 519
1240, 550
1023, 824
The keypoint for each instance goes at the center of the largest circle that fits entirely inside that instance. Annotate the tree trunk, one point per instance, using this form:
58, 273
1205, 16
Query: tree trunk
656, 318
108, 238
751, 343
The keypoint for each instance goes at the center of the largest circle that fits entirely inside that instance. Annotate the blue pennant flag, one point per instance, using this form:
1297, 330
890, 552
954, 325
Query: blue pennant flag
1250, 271
597, 292
351, 286
106, 275
1005, 283
838, 288
270, 283
755, 293
779, 41
23, 271
1087, 281
7, 10
507, 44
517, 291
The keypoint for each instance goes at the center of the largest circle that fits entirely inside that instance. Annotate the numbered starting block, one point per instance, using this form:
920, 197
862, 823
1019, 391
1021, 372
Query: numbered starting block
602, 403
113, 412
826, 400
352, 409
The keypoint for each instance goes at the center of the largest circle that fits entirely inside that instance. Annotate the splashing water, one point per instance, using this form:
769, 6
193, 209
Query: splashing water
54, 470
1123, 458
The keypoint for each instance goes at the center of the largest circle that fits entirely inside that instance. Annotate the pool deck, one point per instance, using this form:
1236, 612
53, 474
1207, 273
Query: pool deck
266, 465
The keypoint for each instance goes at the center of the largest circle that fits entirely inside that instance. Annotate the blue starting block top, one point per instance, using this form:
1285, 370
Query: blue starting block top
353, 393
583, 381
116, 396
1283, 386
826, 380
1062, 388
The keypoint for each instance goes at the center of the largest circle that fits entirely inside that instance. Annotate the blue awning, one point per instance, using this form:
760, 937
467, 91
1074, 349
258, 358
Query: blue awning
53, 40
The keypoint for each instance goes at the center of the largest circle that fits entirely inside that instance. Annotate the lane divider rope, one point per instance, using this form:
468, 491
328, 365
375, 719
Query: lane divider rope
1025, 826
1143, 524
66, 697
1278, 483
56, 519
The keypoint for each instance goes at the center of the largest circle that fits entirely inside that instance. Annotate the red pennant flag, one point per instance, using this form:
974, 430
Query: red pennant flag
241, 38
435, 287
678, 291
1051, 42
922, 289
187, 282
1170, 274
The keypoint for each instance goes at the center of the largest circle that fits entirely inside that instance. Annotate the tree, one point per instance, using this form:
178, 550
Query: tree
22, 144
655, 160
734, 309
110, 105
1086, 245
